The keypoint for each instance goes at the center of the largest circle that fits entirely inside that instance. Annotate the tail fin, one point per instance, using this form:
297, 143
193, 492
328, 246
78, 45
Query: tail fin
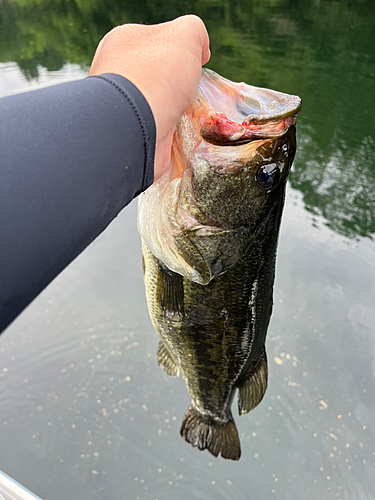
206, 433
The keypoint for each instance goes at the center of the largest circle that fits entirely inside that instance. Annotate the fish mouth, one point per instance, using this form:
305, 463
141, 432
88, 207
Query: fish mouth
231, 113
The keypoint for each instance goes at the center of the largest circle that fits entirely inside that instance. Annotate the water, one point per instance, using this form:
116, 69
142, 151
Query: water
85, 411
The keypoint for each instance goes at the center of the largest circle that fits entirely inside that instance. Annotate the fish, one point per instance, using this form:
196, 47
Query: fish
209, 229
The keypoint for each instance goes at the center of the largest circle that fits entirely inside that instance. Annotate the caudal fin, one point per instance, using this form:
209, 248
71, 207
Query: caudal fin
206, 433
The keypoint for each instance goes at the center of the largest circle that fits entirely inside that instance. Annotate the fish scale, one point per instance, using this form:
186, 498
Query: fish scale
209, 232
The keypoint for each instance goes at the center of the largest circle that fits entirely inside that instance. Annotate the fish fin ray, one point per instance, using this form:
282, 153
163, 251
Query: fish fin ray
206, 433
169, 290
143, 264
166, 360
251, 392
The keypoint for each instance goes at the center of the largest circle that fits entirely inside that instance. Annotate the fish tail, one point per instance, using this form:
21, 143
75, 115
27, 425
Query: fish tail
206, 433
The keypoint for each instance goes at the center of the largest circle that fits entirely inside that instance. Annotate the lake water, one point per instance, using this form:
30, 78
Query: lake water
85, 410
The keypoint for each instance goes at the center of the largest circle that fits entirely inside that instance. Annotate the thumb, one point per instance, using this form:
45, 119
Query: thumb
194, 26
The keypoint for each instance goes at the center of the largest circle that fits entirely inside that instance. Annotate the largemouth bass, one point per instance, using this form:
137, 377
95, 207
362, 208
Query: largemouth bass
209, 229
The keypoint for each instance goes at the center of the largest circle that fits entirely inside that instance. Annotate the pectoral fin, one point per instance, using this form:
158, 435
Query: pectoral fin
251, 392
166, 360
169, 291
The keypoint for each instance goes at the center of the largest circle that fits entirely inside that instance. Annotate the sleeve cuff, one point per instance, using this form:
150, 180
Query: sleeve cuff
145, 119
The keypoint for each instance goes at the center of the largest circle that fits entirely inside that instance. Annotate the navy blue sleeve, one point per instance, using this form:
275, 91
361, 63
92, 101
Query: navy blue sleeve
71, 157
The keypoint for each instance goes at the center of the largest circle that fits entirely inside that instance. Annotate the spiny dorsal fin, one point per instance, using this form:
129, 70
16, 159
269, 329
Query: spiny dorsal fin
166, 360
251, 392
207, 433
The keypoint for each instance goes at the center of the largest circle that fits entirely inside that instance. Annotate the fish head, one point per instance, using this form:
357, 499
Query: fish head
238, 144
232, 152
236, 185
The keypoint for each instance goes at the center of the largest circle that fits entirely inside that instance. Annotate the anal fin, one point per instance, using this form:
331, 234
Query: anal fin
166, 360
206, 433
251, 392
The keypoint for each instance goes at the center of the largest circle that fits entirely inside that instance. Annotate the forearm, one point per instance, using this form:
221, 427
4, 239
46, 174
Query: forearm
72, 156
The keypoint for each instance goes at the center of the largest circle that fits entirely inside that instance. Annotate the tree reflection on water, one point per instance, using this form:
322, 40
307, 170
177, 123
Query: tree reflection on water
318, 50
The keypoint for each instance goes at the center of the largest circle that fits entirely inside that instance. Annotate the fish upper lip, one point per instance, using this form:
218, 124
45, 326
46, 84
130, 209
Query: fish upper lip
292, 109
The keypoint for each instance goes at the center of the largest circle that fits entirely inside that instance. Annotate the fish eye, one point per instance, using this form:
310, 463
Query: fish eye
268, 175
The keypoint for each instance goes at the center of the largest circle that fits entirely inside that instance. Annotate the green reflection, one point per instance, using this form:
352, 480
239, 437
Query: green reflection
321, 50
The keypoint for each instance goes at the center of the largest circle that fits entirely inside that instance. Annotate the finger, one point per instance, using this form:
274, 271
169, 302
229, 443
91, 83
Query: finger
192, 24
206, 54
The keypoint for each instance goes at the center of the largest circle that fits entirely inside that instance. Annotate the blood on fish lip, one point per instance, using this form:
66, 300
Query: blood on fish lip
220, 130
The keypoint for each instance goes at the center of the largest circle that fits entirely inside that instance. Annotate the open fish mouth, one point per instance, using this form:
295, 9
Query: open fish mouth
229, 113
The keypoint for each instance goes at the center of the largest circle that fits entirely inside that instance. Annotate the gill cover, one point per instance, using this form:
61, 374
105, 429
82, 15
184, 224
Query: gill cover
168, 227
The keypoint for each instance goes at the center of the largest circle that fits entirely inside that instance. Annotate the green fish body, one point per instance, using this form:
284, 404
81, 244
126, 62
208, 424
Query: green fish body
209, 232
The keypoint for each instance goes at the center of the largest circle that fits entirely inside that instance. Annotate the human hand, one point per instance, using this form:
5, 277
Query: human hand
164, 61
